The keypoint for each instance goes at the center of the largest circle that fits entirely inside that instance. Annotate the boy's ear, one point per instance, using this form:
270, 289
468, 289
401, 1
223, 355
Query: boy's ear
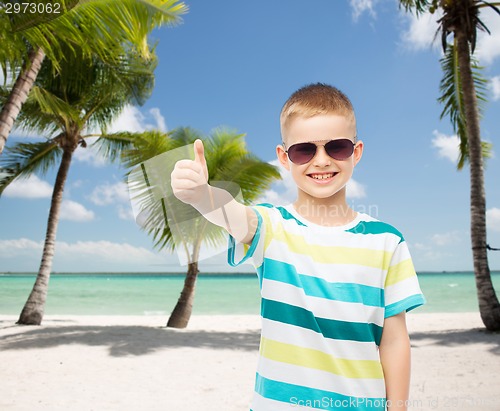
358, 152
282, 156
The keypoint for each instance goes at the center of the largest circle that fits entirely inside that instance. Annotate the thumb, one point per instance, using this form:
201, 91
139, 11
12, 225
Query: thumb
199, 156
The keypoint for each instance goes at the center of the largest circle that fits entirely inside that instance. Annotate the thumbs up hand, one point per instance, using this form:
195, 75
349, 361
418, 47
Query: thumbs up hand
189, 179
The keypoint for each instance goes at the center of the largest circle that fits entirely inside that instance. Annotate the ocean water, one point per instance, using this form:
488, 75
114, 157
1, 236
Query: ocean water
153, 294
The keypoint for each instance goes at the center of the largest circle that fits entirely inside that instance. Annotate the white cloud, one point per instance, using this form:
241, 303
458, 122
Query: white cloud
133, 120
31, 188
361, 6
420, 246
421, 31
106, 250
80, 253
125, 212
117, 194
447, 146
106, 194
90, 155
20, 133
428, 251
449, 238
19, 247
73, 211
354, 189
10, 79
495, 88
283, 192
130, 119
487, 49
493, 219
160, 120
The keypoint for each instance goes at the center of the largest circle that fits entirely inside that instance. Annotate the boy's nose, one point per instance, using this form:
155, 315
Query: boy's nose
321, 158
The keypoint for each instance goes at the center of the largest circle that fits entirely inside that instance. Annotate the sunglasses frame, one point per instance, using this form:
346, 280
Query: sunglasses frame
321, 145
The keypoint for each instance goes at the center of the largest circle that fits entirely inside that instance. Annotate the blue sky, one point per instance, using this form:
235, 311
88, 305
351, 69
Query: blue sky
234, 64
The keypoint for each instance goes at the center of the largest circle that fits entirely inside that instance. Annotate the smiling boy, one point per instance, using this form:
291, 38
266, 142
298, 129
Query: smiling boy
335, 283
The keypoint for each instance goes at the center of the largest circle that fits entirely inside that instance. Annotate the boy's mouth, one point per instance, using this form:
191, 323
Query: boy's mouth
322, 176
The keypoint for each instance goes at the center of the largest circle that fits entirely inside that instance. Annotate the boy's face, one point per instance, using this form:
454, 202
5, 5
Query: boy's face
320, 129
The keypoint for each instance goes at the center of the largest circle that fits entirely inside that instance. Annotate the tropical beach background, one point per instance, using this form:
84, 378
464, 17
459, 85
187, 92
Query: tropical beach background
226, 68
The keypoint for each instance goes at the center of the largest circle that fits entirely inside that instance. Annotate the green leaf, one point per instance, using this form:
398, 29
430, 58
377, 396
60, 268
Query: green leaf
25, 159
112, 146
453, 101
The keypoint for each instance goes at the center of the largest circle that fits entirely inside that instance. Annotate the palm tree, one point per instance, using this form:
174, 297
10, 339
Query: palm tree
86, 94
108, 29
175, 225
462, 90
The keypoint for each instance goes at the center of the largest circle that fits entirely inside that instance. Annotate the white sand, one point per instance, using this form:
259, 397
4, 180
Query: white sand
134, 363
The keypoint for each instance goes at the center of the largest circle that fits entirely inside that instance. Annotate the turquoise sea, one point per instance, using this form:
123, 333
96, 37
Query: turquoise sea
156, 294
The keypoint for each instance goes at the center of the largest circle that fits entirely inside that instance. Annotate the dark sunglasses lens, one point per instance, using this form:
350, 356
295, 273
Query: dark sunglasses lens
340, 149
301, 153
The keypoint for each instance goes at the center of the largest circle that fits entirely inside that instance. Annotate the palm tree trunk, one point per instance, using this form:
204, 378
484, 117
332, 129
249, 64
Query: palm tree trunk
183, 309
19, 94
32, 313
489, 306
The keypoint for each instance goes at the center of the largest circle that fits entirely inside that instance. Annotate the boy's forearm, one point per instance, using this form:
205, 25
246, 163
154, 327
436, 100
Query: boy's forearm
395, 357
396, 364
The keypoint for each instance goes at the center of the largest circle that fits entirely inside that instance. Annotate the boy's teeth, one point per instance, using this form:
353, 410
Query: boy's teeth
321, 176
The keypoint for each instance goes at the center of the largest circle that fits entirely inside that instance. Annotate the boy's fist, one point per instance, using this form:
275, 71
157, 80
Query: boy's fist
189, 179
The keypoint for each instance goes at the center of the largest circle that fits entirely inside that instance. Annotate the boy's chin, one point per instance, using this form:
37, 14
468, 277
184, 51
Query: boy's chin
325, 194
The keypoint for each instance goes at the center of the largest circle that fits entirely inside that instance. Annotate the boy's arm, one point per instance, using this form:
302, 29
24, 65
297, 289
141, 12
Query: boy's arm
394, 353
189, 181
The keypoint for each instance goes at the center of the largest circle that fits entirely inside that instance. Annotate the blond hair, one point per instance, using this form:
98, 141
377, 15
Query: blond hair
315, 99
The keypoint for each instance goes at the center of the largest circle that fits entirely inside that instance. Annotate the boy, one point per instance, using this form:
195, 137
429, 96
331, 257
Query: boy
335, 283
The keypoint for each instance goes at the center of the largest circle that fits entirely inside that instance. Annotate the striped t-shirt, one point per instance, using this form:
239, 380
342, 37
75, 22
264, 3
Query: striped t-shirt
325, 294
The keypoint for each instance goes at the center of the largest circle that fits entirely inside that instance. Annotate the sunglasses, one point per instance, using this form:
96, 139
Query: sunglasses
302, 153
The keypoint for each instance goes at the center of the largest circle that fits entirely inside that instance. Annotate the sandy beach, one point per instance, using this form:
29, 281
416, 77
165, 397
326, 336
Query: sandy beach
134, 363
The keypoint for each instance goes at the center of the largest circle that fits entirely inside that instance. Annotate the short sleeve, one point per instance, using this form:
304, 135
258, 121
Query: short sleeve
401, 290
239, 253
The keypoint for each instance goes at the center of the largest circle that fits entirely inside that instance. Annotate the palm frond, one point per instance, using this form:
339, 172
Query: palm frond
53, 105
25, 159
418, 6
102, 27
252, 175
13, 51
494, 6
170, 222
85, 93
153, 143
45, 113
453, 101
112, 146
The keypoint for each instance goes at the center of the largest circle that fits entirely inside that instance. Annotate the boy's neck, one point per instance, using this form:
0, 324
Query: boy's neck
332, 211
